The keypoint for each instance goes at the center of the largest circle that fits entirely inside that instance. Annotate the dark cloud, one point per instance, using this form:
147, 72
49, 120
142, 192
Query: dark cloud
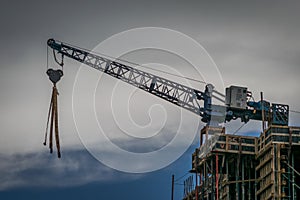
40, 170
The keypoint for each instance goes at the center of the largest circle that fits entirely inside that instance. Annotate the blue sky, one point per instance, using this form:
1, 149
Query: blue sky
254, 44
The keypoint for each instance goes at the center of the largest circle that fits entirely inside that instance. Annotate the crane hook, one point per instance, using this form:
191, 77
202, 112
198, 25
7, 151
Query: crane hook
54, 75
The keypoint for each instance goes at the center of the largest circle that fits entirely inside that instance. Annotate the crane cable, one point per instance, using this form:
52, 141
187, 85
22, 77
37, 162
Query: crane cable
131, 63
237, 130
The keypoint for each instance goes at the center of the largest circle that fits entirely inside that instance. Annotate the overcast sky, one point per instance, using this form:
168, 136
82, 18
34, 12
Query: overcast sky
254, 44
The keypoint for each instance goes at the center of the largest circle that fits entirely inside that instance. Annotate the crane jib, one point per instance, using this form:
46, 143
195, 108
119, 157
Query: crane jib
181, 95
236, 106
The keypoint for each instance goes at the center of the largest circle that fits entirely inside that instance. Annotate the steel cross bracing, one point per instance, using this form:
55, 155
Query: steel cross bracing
173, 92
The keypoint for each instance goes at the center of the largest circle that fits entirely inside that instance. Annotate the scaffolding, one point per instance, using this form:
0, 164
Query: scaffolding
228, 166
278, 152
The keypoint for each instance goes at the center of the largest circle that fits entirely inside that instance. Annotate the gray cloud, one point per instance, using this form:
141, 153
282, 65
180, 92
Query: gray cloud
76, 168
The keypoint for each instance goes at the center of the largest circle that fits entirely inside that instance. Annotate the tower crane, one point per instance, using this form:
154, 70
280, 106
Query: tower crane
238, 101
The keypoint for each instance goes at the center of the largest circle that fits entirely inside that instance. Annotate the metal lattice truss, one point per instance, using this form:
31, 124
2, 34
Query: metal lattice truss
280, 114
173, 92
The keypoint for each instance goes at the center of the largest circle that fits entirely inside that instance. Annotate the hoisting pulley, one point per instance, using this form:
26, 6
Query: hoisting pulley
54, 76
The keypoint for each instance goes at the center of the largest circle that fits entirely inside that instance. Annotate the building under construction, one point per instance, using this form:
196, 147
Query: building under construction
230, 166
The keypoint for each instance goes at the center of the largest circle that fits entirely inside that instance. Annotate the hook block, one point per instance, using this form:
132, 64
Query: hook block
54, 75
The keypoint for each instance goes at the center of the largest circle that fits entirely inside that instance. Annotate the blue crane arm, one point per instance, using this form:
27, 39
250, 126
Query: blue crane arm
178, 94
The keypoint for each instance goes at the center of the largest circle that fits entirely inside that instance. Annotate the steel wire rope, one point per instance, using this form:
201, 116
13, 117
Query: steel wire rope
239, 128
129, 62
295, 111
181, 177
